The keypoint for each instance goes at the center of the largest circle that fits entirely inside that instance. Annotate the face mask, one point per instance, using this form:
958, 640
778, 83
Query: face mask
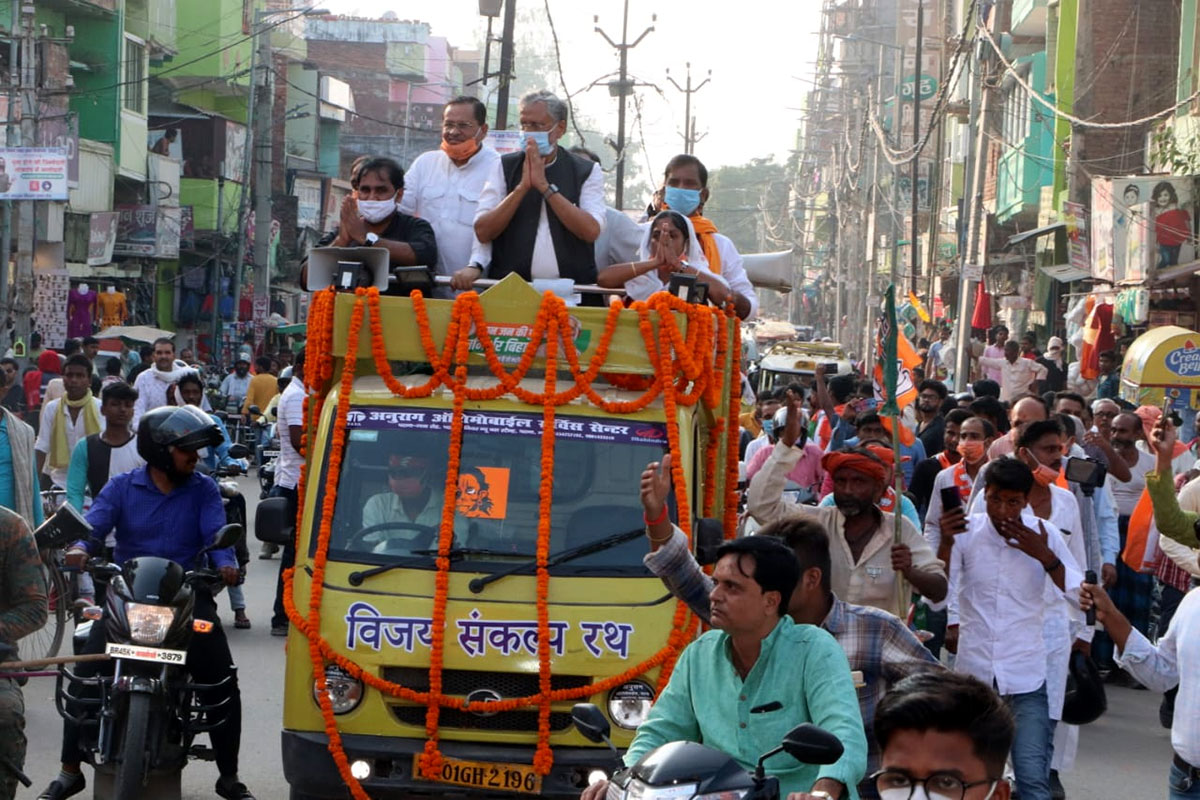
1045, 475
685, 201
541, 138
970, 449
460, 151
374, 211
768, 426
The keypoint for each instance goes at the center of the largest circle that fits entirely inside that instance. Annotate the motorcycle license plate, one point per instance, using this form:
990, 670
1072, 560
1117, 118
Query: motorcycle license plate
139, 652
270, 454
484, 775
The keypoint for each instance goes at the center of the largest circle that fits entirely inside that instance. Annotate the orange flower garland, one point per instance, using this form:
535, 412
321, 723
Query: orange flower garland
678, 360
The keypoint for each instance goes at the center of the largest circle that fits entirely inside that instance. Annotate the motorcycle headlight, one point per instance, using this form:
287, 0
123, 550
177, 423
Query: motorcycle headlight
641, 791
345, 691
629, 704
148, 624
732, 794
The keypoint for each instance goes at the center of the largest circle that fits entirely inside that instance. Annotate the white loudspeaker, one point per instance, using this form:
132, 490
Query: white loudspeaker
328, 266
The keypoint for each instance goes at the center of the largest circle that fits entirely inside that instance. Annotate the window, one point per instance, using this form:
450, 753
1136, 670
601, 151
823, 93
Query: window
1016, 117
135, 75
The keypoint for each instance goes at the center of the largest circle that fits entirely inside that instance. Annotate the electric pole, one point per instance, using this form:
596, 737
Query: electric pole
689, 122
620, 89
506, 64
915, 247
26, 134
239, 266
263, 212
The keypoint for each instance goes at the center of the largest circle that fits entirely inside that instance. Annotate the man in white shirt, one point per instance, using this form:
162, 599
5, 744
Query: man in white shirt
1018, 375
236, 384
1173, 662
685, 189
152, 384
542, 208
999, 570
621, 238
66, 420
444, 186
289, 422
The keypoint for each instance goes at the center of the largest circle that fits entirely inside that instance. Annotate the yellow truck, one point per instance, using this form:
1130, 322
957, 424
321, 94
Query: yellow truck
470, 538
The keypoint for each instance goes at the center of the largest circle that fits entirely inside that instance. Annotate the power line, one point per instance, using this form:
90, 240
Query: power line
562, 79
1082, 123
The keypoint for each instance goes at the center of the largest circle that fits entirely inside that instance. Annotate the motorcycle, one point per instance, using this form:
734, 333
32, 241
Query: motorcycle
683, 770
231, 494
268, 451
145, 715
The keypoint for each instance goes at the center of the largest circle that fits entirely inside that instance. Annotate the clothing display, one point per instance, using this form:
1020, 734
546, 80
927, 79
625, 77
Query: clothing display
113, 308
81, 310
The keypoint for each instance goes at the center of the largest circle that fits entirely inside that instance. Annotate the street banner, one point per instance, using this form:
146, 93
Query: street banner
33, 173
102, 237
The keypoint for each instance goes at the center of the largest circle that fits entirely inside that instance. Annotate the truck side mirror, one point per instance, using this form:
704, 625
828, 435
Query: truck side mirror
710, 535
273, 523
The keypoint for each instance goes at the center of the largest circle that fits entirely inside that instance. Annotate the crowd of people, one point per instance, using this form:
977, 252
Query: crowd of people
124, 450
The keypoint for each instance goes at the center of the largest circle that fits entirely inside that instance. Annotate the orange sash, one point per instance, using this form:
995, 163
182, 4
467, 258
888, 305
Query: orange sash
887, 503
1141, 537
943, 460
704, 232
963, 481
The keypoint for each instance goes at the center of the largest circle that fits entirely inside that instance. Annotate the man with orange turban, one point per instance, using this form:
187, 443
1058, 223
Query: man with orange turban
867, 561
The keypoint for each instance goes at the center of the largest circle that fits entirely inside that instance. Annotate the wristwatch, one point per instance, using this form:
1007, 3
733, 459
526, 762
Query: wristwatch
371, 238
551, 190
821, 793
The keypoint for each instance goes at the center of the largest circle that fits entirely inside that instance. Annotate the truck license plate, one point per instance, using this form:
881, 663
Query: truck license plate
484, 775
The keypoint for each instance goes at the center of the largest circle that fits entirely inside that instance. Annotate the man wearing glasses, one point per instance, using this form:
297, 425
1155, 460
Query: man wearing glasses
445, 185
542, 209
945, 736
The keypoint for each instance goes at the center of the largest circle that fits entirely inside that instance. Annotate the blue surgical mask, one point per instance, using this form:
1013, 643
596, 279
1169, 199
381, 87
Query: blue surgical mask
542, 138
685, 201
768, 426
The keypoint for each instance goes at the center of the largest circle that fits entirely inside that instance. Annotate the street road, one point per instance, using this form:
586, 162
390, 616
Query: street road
1125, 754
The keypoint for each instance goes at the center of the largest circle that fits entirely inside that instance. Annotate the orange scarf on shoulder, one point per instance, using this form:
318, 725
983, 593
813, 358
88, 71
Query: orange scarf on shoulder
704, 232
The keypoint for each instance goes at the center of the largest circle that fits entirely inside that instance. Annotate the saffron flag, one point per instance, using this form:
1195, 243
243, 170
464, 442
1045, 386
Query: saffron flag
894, 361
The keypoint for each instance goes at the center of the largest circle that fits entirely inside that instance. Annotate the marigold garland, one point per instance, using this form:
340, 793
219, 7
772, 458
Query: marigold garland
680, 360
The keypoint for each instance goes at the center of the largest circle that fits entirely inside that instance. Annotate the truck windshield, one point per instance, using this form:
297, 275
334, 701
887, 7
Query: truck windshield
393, 479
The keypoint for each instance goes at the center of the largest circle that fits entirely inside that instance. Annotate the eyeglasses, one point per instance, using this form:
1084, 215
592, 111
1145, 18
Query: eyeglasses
462, 127
894, 784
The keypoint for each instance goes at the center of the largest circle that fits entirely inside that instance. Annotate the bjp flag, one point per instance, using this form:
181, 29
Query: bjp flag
894, 361
1089, 353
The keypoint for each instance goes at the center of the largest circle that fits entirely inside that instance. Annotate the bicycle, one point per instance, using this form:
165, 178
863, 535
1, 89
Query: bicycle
47, 640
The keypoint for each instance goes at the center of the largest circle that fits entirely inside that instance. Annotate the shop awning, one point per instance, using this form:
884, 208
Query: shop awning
1176, 272
1045, 230
1066, 272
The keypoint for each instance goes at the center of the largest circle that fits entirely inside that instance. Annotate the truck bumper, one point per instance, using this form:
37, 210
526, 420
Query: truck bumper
310, 770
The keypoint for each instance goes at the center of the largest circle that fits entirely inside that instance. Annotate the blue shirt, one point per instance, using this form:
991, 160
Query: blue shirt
8, 489
219, 456
149, 523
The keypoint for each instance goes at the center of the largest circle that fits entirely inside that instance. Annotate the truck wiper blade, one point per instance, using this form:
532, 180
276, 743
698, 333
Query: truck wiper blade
455, 554
477, 585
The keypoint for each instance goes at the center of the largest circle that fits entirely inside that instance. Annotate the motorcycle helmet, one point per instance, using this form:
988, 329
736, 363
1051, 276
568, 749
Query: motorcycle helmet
186, 427
1085, 700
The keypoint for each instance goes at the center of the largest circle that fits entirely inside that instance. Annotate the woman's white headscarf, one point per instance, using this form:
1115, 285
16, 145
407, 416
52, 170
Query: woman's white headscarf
644, 285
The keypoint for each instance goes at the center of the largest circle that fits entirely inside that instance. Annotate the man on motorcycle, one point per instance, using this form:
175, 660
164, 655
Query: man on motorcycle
167, 510
740, 687
23, 610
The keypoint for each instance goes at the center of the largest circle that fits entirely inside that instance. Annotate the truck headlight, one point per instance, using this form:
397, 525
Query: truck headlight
148, 624
344, 690
629, 704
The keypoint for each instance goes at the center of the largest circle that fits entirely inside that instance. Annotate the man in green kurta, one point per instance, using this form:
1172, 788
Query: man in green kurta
741, 687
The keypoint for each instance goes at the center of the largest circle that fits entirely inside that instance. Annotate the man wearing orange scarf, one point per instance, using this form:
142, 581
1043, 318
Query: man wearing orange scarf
443, 186
685, 189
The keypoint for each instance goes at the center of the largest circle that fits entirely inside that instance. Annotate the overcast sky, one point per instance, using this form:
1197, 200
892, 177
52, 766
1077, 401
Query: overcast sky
753, 48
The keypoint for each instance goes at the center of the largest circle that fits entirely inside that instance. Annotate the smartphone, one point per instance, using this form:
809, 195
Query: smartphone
951, 499
1090, 615
1087, 472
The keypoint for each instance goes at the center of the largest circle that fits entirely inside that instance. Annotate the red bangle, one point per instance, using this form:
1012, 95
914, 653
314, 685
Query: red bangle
661, 517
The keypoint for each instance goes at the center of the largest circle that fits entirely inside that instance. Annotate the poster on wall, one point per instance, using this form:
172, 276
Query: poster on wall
33, 173
1157, 210
50, 288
